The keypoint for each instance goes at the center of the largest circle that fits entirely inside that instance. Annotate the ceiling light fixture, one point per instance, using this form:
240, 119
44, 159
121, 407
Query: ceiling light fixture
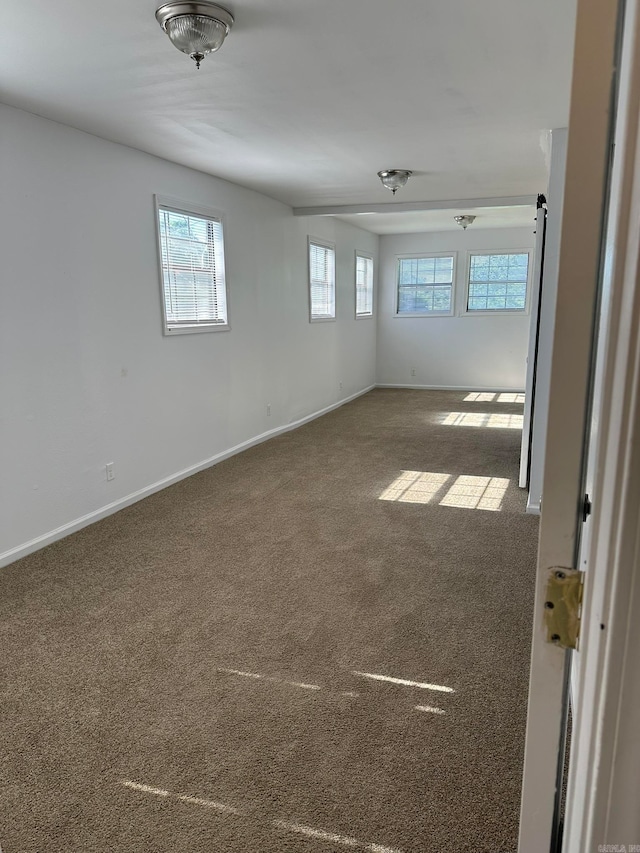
394, 179
195, 28
464, 221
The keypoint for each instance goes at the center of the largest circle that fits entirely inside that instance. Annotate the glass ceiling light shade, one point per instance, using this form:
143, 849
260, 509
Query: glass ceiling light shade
195, 28
465, 221
394, 179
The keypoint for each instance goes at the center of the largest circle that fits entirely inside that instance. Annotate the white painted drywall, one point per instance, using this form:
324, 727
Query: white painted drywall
555, 195
474, 352
86, 375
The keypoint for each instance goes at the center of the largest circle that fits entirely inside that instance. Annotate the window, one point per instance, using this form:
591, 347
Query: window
364, 285
425, 285
193, 281
322, 280
498, 282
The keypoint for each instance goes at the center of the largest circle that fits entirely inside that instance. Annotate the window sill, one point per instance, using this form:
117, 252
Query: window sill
496, 312
170, 331
422, 316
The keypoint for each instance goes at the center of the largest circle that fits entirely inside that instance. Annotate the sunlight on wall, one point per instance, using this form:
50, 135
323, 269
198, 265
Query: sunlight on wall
416, 487
483, 419
476, 493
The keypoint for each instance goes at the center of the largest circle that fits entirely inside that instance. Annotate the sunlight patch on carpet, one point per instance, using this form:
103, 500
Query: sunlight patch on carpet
147, 789
487, 420
466, 492
270, 678
416, 487
492, 397
214, 805
298, 828
477, 493
209, 804
333, 837
479, 397
404, 682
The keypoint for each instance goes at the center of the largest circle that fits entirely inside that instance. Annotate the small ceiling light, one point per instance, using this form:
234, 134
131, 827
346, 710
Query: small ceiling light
394, 179
465, 221
195, 28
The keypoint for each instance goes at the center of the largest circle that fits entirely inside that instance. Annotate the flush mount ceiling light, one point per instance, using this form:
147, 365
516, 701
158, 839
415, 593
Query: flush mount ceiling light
195, 28
394, 179
464, 221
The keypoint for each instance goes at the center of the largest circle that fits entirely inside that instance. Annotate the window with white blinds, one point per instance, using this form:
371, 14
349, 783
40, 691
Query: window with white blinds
364, 285
425, 285
192, 269
322, 280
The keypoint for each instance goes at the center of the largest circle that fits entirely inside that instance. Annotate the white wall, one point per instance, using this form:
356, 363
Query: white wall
475, 352
86, 375
555, 195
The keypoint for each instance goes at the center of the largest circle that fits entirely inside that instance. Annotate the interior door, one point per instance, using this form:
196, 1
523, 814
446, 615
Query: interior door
585, 202
534, 337
600, 802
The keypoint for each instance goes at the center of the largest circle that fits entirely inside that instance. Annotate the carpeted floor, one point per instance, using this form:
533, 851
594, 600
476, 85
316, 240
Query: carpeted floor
193, 673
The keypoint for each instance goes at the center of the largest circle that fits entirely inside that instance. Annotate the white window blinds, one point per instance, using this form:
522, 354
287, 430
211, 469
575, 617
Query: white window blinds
425, 285
193, 274
364, 286
322, 281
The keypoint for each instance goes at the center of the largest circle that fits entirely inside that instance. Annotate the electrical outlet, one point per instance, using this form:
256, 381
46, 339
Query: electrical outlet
268, 410
111, 474
413, 371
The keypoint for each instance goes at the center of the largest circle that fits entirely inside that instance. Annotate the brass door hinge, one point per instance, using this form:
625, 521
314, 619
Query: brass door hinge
562, 606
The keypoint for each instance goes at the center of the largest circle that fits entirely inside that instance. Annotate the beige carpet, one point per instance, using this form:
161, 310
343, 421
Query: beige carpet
204, 645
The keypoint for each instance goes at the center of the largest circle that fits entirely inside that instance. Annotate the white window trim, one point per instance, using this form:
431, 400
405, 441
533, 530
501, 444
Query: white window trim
326, 244
408, 316
497, 312
358, 254
186, 207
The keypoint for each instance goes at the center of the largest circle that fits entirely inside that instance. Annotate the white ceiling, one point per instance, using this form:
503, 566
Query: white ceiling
307, 100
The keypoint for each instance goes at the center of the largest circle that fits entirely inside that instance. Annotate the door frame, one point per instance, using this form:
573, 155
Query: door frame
584, 209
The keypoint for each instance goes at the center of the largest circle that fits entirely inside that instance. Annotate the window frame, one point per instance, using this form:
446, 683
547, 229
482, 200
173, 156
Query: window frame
323, 244
359, 254
498, 312
163, 202
418, 256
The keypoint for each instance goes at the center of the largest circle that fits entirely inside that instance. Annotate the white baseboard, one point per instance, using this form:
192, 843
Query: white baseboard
470, 388
533, 507
91, 517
